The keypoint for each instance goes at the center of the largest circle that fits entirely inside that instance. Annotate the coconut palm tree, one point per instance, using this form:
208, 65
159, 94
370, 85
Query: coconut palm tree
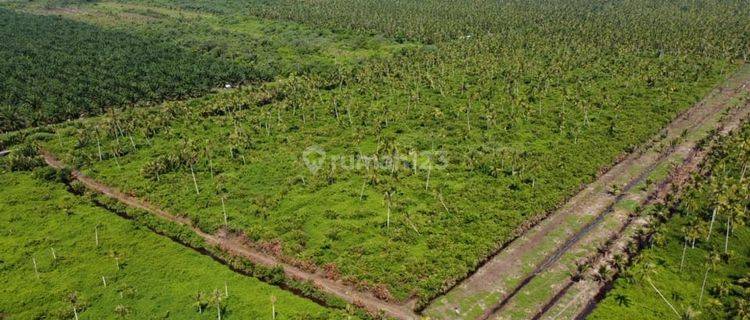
217, 299
200, 301
711, 261
690, 314
648, 280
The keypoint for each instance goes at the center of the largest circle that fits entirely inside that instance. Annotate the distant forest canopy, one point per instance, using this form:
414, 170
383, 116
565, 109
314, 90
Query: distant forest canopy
714, 28
119, 53
53, 69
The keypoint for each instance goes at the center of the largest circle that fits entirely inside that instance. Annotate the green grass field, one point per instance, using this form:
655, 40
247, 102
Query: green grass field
522, 125
495, 114
498, 175
156, 277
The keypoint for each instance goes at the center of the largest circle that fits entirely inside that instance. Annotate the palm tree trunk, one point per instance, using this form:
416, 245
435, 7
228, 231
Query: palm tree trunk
427, 183
684, 248
726, 237
195, 183
662, 297
388, 218
711, 226
362, 191
703, 286
36, 272
224, 210
99, 147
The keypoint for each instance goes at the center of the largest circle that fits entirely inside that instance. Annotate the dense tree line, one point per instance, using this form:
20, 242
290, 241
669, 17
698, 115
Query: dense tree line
53, 69
715, 27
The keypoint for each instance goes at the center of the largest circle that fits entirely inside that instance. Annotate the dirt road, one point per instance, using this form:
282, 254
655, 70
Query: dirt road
530, 276
577, 299
237, 247
518, 278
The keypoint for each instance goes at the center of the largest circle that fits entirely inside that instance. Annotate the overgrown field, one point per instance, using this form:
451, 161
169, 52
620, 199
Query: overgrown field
699, 260
77, 58
431, 158
58, 250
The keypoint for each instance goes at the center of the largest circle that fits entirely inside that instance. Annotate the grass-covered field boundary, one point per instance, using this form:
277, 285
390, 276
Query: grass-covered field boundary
64, 255
233, 252
187, 237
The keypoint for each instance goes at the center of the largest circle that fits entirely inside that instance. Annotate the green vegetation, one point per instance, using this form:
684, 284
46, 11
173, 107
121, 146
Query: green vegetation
270, 48
53, 69
522, 122
699, 259
76, 58
56, 247
518, 102
716, 28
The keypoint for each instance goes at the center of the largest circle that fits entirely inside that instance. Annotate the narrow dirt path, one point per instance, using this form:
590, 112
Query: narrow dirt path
237, 247
486, 292
581, 297
556, 290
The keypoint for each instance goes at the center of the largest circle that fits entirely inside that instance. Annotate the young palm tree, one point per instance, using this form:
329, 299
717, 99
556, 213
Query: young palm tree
581, 268
603, 273
121, 311
690, 314
216, 298
200, 301
622, 300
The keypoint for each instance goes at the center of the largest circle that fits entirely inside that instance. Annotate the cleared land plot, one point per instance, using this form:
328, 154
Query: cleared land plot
441, 221
517, 281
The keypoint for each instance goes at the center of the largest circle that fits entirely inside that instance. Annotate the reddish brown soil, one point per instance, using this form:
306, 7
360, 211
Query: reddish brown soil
237, 245
491, 279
